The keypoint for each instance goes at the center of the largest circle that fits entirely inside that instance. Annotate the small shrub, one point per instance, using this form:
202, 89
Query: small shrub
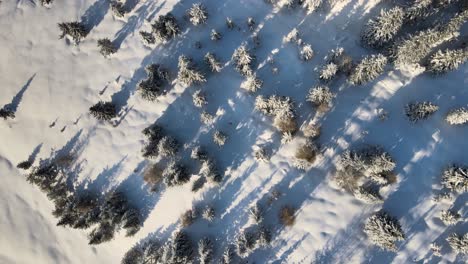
256, 214
287, 215
252, 83
305, 155
207, 118
103, 111
328, 72
384, 231
457, 116
215, 35
209, 213
199, 99
417, 111
199, 154
262, 155
264, 236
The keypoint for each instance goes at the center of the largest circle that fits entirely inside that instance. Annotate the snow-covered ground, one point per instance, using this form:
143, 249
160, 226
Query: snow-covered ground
52, 84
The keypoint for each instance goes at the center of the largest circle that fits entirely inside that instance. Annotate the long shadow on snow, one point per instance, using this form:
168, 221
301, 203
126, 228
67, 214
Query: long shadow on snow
13, 106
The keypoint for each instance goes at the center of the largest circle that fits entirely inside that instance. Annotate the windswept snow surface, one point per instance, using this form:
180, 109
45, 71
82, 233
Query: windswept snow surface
52, 81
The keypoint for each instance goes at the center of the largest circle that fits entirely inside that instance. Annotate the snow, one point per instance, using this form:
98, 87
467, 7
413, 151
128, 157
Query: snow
51, 81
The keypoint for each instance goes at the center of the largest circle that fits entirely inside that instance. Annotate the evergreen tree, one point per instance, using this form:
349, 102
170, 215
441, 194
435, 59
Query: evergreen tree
213, 62
219, 138
328, 72
448, 60
368, 69
383, 28
75, 30
264, 236
103, 111
197, 14
417, 111
154, 86
228, 255
209, 213
243, 60
312, 5
457, 116
118, 8
321, 97
168, 146
459, 244
455, 179
154, 134
449, 217
215, 35
106, 46
205, 250
165, 28
103, 233
252, 83
148, 37
246, 243
307, 53
175, 174
199, 99
6, 113
188, 74
384, 231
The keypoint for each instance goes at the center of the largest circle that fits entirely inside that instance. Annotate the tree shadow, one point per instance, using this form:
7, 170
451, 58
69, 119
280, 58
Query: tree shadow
13, 106
95, 14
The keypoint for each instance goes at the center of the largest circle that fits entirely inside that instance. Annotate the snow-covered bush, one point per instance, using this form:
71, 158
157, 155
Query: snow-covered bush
416, 111
384, 231
213, 62
153, 175
153, 87
103, 111
175, 174
165, 27
106, 47
321, 97
199, 99
459, 244
328, 72
118, 8
287, 215
197, 14
168, 146
188, 74
312, 131
256, 214
75, 30
383, 28
252, 83
455, 178
457, 116
148, 37
368, 195
261, 154
205, 250
448, 60
219, 138
449, 217
305, 155
281, 109
209, 213
243, 60
368, 69
413, 49
6, 113
215, 35
307, 53
343, 62
246, 243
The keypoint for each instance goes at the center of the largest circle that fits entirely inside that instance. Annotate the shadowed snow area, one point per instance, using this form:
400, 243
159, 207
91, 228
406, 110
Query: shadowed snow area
50, 84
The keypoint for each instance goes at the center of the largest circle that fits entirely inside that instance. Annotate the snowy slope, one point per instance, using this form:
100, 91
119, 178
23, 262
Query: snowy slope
53, 82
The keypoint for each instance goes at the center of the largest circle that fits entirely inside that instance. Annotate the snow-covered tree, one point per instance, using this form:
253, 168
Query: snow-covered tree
178, 250
228, 255
368, 195
256, 214
6, 113
368, 69
418, 10
199, 99
455, 178
305, 155
154, 86
213, 62
449, 217
46, 2
229, 23
261, 154
188, 74
264, 236
436, 249
103, 233
448, 60
175, 174
146, 252
75, 30
210, 171
459, 244
118, 8
343, 62
205, 250
416, 111
320, 96
106, 47
168, 146
281, 109
243, 60
252, 83
328, 72
188, 218
251, 23
312, 131
207, 118
246, 243
312, 5
383, 28
209, 213
292, 37
219, 138
103, 111
307, 53
457, 116
199, 153
165, 27
215, 35
154, 133
197, 14
384, 231
148, 37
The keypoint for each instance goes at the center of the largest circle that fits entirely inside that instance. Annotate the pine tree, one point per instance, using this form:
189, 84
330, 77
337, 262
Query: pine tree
213, 62
175, 174
6, 113
457, 116
199, 153
106, 47
261, 154
181, 249
103, 233
320, 96
205, 250
252, 83
118, 8
46, 2
328, 72
165, 28
256, 214
459, 244
198, 14
219, 138
188, 74
281, 109
368, 69
307, 53
230, 24
228, 255
243, 60
368, 195
103, 111
312, 5
209, 170
418, 10
455, 178
199, 99
154, 134
449, 217
383, 29
417, 111
215, 35
264, 236
448, 60
384, 231
148, 37
246, 243
154, 86
76, 31
168, 146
